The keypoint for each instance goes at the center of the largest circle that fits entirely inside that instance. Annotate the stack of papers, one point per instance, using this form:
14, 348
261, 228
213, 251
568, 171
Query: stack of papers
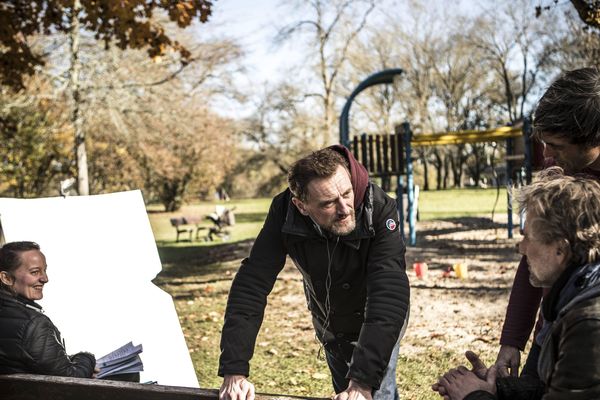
124, 360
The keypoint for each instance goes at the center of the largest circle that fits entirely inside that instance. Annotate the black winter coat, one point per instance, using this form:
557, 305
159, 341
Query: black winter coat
369, 291
569, 363
30, 343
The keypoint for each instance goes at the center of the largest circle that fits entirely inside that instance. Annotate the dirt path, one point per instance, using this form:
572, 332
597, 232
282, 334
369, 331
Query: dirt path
454, 313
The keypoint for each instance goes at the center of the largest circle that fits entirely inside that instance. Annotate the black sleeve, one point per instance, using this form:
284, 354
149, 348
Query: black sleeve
523, 388
249, 290
480, 395
511, 388
576, 373
47, 356
388, 298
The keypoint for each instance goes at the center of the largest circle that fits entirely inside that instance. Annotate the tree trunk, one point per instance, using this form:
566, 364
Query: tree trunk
458, 175
453, 168
170, 196
457, 162
330, 136
446, 171
76, 119
477, 174
425, 171
479, 161
438, 172
172, 193
438, 164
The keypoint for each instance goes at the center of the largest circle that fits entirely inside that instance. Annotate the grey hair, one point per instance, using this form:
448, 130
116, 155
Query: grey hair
564, 208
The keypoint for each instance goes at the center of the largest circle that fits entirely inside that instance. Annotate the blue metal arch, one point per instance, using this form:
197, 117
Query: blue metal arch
383, 77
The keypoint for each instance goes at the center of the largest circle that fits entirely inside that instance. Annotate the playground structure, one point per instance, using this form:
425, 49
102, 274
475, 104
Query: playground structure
390, 155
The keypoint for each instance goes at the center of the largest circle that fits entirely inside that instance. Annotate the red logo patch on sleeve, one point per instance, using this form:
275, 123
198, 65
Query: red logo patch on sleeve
390, 224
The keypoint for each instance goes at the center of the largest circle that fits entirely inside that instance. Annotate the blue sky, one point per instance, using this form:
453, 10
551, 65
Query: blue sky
254, 24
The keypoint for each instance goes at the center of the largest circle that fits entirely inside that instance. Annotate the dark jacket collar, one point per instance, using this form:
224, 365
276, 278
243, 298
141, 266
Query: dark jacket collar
9, 297
575, 285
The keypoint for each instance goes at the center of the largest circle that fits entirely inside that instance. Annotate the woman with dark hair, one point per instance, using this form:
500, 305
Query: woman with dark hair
29, 341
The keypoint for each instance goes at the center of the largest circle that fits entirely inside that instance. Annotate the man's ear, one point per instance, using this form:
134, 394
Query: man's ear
299, 205
563, 251
6, 278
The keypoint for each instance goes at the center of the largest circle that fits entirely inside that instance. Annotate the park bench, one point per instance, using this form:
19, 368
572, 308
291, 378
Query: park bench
187, 225
222, 219
36, 387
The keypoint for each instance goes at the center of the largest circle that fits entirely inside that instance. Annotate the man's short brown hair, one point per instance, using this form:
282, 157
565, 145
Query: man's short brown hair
319, 164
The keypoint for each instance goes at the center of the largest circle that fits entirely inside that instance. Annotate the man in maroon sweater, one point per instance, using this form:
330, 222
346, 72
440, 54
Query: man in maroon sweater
567, 121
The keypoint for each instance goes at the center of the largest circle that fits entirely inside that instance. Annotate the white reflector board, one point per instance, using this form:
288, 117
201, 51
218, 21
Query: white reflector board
101, 257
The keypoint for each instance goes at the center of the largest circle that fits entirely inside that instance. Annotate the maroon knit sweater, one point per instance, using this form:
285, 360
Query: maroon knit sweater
524, 302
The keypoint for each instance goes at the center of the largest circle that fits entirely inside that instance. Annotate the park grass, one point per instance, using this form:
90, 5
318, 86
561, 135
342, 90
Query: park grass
286, 358
250, 213
453, 203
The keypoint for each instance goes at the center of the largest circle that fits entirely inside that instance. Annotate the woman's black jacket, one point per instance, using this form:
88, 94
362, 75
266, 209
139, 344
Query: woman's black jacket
369, 291
30, 343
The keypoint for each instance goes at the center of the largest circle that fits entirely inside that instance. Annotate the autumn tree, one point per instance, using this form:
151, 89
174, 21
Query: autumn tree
183, 161
128, 99
587, 10
126, 24
36, 142
156, 118
403, 40
113, 162
130, 24
577, 45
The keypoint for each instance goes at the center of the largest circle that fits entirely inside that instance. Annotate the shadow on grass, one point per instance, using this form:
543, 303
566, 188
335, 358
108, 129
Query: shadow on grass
479, 290
251, 217
463, 224
184, 261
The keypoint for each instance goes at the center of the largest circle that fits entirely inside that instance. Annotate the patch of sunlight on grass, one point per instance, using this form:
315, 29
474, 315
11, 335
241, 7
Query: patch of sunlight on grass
249, 217
250, 213
451, 203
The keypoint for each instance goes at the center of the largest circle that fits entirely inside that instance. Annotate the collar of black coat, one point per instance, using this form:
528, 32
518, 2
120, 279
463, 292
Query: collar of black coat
301, 227
7, 296
574, 285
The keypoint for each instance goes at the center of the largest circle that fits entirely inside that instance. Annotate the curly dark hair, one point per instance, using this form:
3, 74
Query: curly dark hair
570, 108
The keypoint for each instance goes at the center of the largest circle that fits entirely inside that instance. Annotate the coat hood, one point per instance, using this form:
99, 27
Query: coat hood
358, 175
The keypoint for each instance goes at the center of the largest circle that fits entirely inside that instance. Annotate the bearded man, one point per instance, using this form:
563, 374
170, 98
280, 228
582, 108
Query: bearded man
341, 232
